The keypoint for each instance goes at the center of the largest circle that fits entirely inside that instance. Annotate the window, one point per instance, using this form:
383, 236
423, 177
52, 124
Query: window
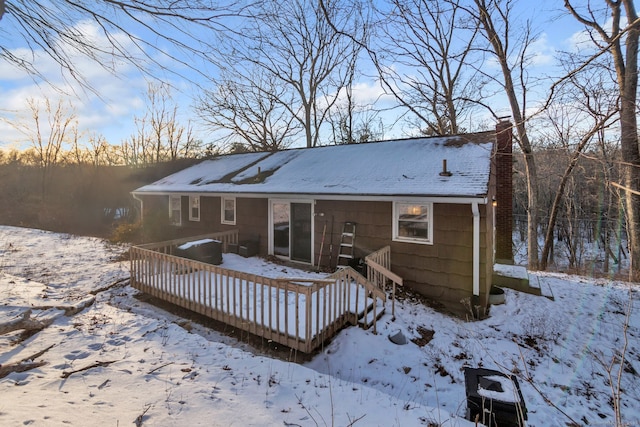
175, 210
194, 208
228, 213
413, 222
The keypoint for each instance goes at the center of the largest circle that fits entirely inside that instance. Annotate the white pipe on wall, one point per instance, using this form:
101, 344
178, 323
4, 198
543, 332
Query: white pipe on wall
476, 248
141, 206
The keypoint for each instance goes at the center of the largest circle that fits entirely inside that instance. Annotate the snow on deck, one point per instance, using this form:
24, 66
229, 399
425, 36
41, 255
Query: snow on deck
256, 303
248, 297
513, 271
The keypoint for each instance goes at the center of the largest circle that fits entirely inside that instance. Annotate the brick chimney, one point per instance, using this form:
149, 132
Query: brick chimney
504, 193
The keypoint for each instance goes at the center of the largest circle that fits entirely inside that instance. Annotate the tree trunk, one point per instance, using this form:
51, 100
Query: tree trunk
498, 46
631, 176
532, 209
628, 81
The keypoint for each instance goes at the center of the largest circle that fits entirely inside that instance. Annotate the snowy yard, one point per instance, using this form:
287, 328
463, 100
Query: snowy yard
106, 358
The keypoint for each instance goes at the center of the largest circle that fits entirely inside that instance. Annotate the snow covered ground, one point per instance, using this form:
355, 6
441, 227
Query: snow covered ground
104, 357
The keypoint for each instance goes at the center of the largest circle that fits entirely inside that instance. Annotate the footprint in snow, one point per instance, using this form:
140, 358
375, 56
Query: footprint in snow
77, 354
62, 366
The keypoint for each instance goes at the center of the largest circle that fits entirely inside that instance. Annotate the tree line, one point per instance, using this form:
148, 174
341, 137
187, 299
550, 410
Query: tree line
588, 234
80, 198
51, 133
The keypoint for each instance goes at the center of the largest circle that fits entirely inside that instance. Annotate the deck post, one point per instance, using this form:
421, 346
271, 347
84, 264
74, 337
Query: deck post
309, 333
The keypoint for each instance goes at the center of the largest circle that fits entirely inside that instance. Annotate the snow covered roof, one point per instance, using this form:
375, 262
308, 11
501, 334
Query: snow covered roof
406, 167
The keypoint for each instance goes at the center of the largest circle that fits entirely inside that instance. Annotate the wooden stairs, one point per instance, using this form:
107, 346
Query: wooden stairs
364, 318
517, 278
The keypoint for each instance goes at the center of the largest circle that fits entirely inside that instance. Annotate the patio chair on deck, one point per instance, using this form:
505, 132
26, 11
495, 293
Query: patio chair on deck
249, 247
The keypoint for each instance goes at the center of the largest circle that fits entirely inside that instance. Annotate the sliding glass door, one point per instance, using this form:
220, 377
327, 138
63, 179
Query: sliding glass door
291, 229
301, 232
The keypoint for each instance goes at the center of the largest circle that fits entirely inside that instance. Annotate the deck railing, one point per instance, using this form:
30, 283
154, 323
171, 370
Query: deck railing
300, 313
362, 310
379, 272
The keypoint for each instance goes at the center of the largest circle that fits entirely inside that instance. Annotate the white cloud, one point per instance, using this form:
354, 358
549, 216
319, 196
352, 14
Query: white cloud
372, 92
106, 106
542, 51
581, 41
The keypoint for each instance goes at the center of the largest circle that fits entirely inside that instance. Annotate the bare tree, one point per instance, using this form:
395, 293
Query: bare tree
135, 149
342, 118
351, 121
157, 116
510, 45
181, 142
355, 126
610, 32
252, 110
294, 43
48, 135
98, 151
584, 106
608, 162
426, 47
159, 135
136, 32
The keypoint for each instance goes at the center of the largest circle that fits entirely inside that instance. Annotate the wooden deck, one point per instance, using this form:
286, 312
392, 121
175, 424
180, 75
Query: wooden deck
300, 313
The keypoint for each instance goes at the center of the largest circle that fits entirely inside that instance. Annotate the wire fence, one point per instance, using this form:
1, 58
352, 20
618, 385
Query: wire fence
580, 245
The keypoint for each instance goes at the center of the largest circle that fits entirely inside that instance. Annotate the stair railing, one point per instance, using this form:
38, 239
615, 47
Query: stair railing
379, 272
349, 275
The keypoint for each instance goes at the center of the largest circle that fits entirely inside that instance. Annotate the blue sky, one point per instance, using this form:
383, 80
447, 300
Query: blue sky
120, 97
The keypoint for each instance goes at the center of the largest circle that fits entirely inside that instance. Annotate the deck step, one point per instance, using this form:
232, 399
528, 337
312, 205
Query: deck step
367, 321
517, 278
544, 287
510, 275
365, 317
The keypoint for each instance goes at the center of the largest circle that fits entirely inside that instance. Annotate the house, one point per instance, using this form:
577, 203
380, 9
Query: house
431, 200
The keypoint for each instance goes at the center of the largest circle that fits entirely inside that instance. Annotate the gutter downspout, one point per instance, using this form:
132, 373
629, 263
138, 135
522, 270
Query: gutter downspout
476, 248
141, 206
132, 265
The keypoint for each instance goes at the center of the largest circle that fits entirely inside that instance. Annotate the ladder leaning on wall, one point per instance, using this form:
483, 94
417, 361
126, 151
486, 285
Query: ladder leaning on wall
347, 243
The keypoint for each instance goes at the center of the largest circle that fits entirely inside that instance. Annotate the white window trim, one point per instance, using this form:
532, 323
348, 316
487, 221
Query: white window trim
223, 199
175, 221
396, 219
191, 216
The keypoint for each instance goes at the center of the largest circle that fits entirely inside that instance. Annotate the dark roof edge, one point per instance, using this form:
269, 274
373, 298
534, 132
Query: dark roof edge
480, 198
